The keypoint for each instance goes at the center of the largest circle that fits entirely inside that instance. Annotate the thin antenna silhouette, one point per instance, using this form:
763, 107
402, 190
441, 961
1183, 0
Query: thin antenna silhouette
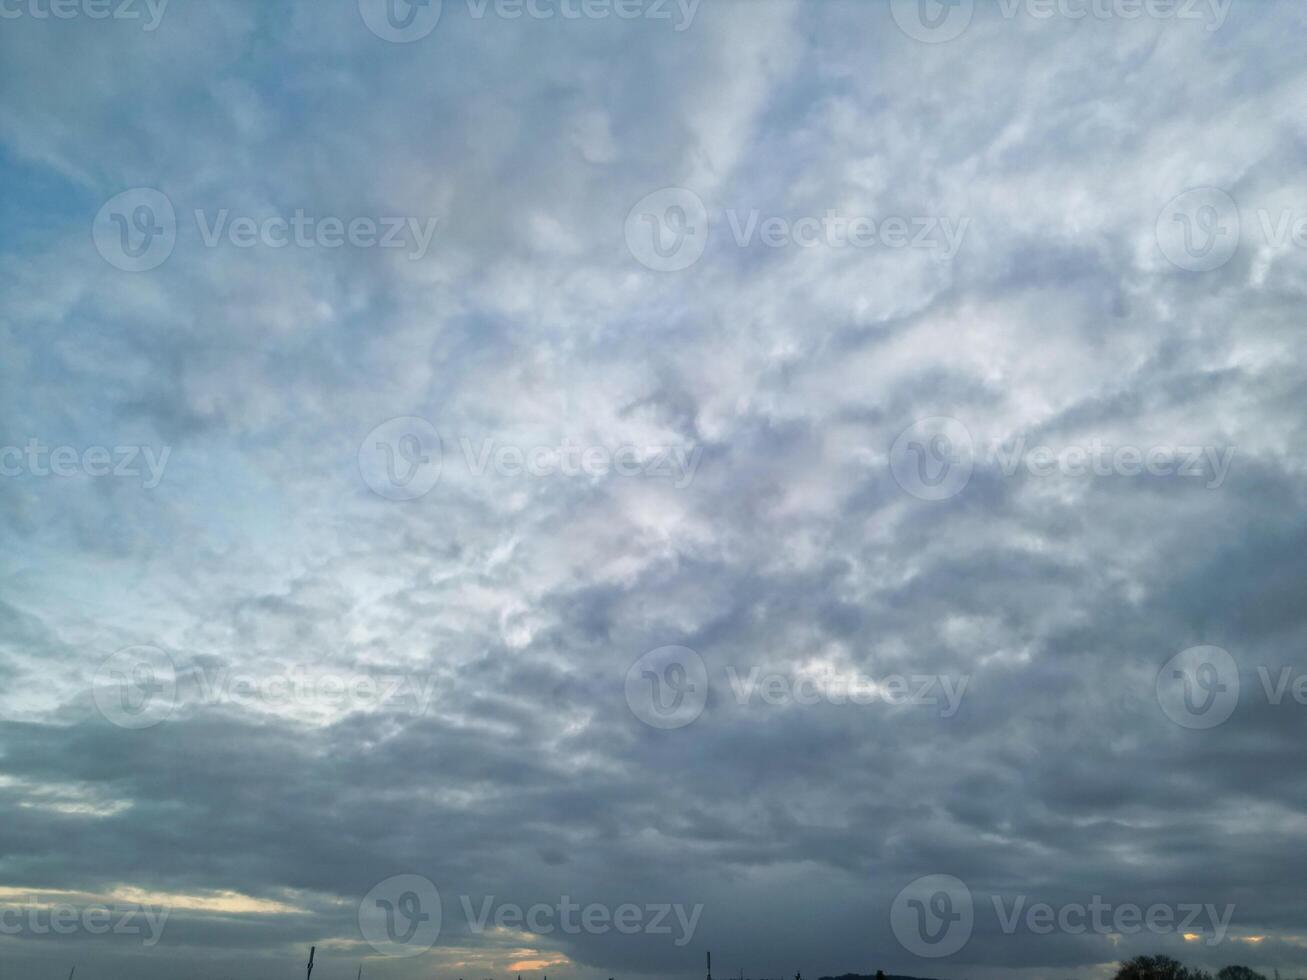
312, 950
72, 971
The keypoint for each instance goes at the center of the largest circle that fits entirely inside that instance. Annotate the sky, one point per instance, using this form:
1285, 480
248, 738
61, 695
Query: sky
556, 488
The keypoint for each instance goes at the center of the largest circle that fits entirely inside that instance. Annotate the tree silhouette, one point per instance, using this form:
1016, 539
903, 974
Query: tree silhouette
1158, 968
1238, 973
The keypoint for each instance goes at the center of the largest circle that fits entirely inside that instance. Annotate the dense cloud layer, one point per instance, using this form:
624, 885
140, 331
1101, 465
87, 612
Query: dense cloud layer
365, 687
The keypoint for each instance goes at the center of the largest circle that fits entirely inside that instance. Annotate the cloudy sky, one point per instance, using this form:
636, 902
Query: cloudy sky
819, 482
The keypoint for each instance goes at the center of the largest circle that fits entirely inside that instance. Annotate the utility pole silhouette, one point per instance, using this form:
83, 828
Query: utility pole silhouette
710, 965
312, 950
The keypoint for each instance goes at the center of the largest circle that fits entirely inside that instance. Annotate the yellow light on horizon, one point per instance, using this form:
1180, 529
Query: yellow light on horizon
538, 962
